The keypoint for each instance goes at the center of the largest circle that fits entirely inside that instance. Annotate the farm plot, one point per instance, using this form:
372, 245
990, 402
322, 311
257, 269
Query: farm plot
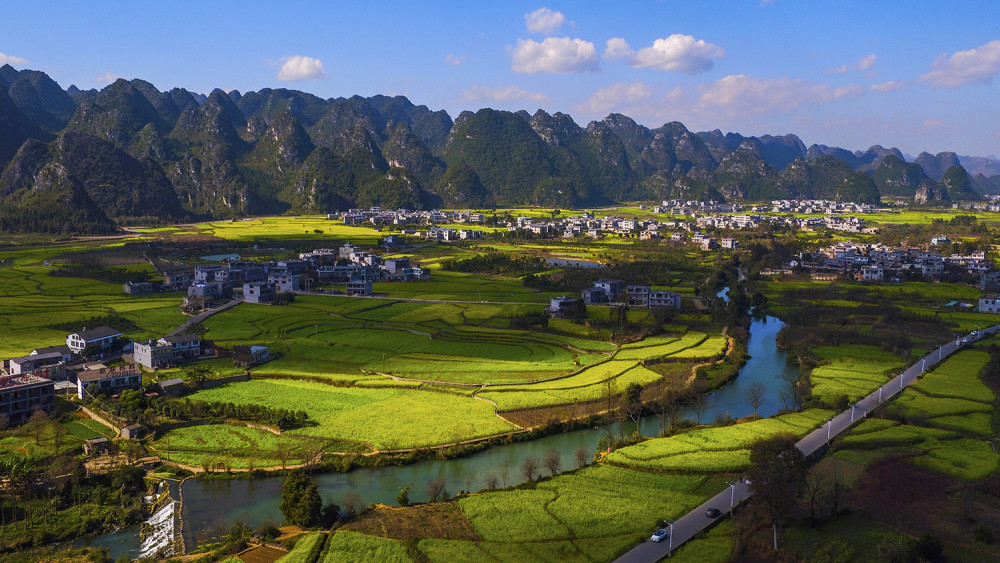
303, 549
31, 302
321, 339
958, 377
591, 514
854, 371
967, 459
586, 386
386, 418
714, 449
350, 547
238, 446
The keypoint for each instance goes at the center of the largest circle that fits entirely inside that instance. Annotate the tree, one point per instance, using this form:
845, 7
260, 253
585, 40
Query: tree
778, 474
552, 460
504, 471
528, 468
609, 391
581, 457
434, 488
698, 406
491, 481
37, 424
632, 401
301, 504
754, 394
197, 374
403, 498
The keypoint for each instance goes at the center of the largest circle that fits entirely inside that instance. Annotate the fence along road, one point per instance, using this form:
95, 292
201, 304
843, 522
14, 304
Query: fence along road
814, 444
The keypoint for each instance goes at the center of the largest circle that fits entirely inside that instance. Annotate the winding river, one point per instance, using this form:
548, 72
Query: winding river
210, 505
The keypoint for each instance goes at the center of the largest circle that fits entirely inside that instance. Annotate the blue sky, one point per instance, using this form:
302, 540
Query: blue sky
922, 76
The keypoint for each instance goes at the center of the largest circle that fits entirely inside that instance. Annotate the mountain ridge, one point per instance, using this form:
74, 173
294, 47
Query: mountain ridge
130, 150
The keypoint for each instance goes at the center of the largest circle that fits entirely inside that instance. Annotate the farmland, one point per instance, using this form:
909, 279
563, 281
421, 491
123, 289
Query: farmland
721, 449
947, 414
385, 418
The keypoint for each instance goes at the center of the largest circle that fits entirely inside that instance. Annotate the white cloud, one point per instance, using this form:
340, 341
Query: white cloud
508, 94
107, 78
557, 55
741, 94
864, 64
678, 53
962, 67
888, 86
544, 21
299, 67
6, 59
614, 97
455, 60
617, 48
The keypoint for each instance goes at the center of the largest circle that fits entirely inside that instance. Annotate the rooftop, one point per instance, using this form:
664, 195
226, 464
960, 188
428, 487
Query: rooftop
98, 333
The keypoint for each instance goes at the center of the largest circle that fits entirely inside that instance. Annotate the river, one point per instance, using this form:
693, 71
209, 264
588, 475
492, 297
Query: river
211, 505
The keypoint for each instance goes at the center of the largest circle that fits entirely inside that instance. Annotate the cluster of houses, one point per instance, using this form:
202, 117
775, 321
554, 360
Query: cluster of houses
607, 291
261, 282
28, 383
877, 262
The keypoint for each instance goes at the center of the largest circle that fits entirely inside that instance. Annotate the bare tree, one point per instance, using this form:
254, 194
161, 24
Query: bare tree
632, 402
491, 481
754, 394
610, 390
581, 457
434, 488
698, 405
552, 460
663, 408
504, 471
814, 486
352, 502
283, 452
528, 468
37, 424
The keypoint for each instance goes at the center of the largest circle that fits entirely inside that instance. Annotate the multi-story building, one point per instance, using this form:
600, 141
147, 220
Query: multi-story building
102, 337
21, 395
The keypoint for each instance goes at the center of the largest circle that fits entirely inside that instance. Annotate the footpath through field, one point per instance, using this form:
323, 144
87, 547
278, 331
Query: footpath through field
814, 444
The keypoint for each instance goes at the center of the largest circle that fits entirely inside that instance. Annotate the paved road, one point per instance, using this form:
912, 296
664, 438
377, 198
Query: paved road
689, 525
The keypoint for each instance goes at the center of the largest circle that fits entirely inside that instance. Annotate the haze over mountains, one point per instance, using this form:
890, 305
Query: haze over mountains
86, 161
